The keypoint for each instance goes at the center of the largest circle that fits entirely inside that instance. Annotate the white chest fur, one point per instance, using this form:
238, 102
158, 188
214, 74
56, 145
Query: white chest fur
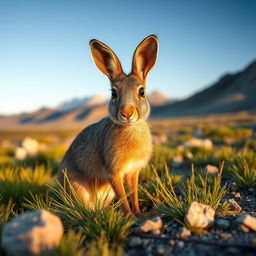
133, 165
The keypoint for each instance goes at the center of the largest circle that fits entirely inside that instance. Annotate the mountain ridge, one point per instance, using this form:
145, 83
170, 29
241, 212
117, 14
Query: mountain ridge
231, 93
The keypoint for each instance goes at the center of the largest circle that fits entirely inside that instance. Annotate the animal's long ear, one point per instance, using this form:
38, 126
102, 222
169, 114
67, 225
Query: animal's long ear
144, 57
105, 59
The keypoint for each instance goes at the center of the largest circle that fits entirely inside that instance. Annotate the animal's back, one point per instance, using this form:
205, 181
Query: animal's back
84, 156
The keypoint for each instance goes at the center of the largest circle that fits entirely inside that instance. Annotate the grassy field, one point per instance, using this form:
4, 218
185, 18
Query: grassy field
165, 189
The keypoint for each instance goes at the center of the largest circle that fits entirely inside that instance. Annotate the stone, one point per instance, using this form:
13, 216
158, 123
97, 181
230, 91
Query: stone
181, 244
159, 138
30, 145
222, 223
172, 242
156, 232
253, 240
135, 241
211, 169
233, 186
244, 228
251, 189
31, 233
200, 143
237, 195
184, 232
225, 236
177, 161
160, 249
149, 225
180, 148
199, 215
247, 220
189, 155
20, 153
234, 205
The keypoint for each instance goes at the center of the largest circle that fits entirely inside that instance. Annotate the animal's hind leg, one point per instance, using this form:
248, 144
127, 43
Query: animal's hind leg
104, 195
74, 188
83, 192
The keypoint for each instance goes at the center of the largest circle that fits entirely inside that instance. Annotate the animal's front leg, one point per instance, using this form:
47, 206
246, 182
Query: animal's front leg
132, 184
116, 182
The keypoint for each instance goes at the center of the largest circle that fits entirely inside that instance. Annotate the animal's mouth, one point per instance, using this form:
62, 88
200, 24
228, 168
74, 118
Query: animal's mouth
124, 121
128, 122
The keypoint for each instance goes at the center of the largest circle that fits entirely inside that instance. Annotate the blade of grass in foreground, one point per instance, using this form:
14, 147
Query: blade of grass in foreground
243, 169
174, 202
93, 221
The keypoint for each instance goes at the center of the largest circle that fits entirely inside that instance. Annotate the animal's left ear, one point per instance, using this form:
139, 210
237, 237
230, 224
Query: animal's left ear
144, 57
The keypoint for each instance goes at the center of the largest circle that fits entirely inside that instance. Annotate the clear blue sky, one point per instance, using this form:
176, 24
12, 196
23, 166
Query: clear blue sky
45, 58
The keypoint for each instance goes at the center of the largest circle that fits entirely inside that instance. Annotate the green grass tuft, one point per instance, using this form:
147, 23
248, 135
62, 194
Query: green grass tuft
19, 183
93, 222
174, 202
72, 244
243, 169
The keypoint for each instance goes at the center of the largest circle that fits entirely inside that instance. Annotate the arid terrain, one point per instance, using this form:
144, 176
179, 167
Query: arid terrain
210, 160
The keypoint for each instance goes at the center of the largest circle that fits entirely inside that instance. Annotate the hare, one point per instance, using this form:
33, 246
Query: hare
108, 154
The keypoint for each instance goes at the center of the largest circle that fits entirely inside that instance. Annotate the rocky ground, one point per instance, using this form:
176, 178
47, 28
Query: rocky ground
226, 237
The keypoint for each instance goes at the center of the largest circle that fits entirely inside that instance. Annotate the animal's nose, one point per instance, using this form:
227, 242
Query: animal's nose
127, 112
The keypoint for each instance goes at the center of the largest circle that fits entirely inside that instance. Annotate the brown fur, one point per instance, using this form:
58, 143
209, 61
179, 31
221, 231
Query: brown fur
114, 150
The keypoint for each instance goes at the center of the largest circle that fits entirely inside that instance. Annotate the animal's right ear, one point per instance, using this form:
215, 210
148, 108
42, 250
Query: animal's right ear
105, 59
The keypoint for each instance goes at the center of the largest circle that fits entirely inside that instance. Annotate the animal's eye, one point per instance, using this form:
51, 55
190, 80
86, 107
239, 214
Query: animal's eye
114, 93
141, 92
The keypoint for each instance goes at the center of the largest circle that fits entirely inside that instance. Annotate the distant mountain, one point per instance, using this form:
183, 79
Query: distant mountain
156, 98
75, 111
231, 93
78, 103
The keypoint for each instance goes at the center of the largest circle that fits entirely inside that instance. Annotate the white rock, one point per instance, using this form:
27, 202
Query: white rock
180, 148
237, 195
20, 153
211, 169
177, 161
184, 232
199, 215
156, 232
247, 220
31, 233
195, 142
181, 244
30, 145
189, 155
158, 139
148, 225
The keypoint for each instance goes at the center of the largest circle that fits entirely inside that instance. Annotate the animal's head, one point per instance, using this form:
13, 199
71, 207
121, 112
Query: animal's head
128, 104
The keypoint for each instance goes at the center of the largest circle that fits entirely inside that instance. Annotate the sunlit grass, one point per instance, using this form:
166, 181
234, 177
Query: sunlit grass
174, 202
16, 184
154, 187
224, 134
243, 169
105, 231
72, 244
103, 247
74, 213
203, 156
